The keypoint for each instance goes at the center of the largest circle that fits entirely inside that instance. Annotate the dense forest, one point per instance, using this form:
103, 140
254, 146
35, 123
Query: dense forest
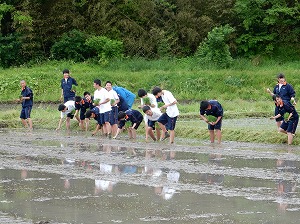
33, 30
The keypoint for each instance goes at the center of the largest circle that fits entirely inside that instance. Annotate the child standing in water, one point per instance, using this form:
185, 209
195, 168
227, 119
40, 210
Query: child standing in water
289, 125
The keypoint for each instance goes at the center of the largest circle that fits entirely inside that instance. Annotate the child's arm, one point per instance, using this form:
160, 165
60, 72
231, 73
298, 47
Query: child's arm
275, 117
59, 124
168, 105
96, 130
118, 132
204, 118
76, 115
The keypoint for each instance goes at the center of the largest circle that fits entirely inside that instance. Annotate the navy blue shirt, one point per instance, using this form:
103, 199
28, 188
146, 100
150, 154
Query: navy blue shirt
67, 86
286, 91
287, 107
122, 105
27, 92
132, 115
216, 109
97, 114
84, 104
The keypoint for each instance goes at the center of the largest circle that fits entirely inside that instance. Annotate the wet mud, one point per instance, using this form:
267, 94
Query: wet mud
50, 177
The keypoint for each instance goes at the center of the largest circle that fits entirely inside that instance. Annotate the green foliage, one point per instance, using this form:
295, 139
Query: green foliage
146, 101
71, 46
10, 49
265, 24
214, 48
105, 47
96, 102
211, 118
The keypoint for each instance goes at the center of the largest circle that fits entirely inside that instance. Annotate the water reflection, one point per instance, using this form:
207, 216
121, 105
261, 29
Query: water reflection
286, 188
215, 160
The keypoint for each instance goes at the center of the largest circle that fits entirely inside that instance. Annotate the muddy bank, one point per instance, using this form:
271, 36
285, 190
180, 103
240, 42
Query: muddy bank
77, 179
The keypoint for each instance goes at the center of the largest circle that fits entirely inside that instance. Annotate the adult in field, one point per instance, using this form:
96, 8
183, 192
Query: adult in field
102, 95
26, 98
214, 114
285, 91
168, 118
289, 125
67, 90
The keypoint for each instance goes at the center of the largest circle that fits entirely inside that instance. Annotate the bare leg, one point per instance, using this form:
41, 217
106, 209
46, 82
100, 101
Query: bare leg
114, 129
278, 123
133, 132
212, 136
172, 136
24, 122
164, 130
108, 127
151, 134
219, 135
147, 132
129, 133
68, 123
290, 138
157, 129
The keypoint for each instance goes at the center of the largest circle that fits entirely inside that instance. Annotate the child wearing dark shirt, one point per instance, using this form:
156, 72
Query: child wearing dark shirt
212, 108
134, 116
289, 125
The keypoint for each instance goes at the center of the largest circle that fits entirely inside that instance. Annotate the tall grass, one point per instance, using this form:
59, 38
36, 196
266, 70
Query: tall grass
184, 77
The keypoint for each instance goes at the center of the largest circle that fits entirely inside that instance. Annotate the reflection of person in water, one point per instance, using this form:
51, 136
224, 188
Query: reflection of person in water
102, 184
215, 159
168, 192
285, 187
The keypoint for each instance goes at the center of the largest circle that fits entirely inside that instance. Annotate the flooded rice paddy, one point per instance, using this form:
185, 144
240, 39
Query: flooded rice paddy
49, 177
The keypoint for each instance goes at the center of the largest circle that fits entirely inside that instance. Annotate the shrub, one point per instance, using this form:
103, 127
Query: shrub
105, 47
10, 51
71, 46
214, 48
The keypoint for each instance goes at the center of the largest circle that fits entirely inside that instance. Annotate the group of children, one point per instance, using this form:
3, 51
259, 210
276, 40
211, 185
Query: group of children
111, 107
285, 115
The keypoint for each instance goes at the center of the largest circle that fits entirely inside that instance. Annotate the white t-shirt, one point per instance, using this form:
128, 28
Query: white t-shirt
113, 95
70, 107
167, 97
156, 114
102, 94
152, 99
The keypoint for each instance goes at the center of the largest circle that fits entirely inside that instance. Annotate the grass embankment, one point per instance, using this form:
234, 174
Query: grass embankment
241, 91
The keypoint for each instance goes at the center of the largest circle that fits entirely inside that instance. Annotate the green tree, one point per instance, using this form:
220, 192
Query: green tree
214, 49
266, 24
72, 46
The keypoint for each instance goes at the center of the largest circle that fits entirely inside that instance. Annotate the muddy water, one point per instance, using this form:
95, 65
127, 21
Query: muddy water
55, 178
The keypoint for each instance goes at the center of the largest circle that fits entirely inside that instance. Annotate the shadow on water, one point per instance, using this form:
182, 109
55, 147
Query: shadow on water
63, 181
